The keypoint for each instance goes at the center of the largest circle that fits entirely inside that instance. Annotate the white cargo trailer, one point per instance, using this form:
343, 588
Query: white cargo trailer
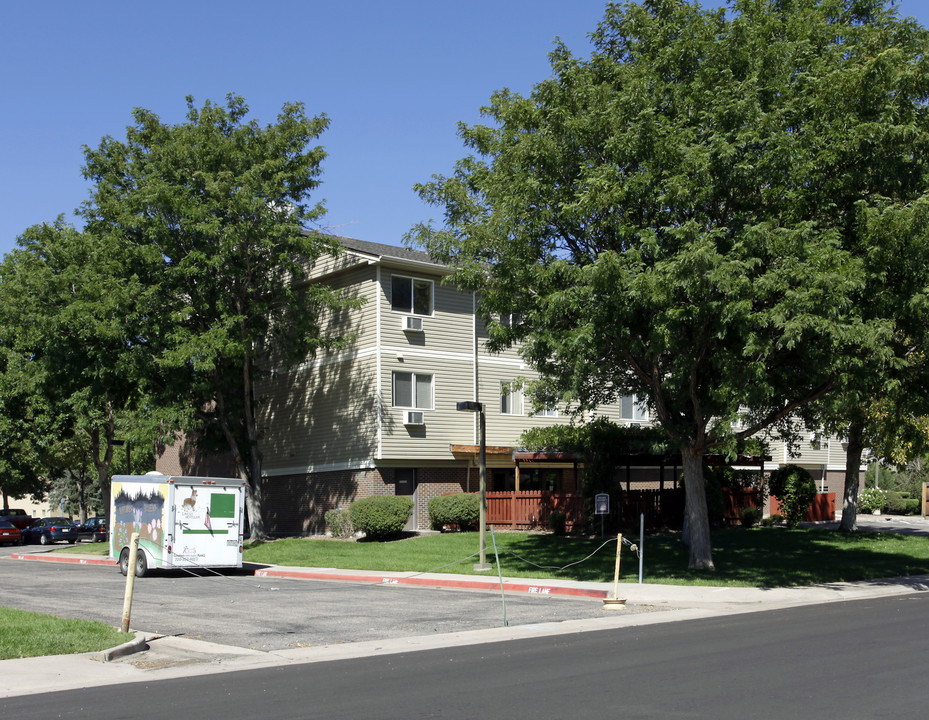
182, 522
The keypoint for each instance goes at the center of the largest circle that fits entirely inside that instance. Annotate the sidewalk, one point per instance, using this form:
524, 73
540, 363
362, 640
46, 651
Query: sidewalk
170, 657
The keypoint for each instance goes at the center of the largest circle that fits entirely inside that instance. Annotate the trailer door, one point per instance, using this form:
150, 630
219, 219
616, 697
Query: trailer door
209, 527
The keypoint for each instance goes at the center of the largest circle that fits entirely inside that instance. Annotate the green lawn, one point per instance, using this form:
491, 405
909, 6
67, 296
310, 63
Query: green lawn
760, 557
29, 634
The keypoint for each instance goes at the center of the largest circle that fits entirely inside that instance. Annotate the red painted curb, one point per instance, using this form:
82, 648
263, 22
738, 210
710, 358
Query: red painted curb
434, 582
66, 559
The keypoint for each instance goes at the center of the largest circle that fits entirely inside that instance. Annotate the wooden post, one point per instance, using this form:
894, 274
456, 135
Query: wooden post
615, 602
130, 581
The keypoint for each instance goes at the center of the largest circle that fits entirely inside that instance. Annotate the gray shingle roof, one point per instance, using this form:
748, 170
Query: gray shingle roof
389, 251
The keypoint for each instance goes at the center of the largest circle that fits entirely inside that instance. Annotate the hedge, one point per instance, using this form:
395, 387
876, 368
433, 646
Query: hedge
381, 518
461, 510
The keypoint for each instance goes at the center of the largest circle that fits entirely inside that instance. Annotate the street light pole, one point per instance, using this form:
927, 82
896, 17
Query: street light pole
477, 407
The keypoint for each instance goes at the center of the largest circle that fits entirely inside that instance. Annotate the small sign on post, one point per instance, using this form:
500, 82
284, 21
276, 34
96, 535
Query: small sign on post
601, 508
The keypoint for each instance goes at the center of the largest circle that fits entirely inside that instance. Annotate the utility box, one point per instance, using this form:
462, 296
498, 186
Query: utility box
182, 522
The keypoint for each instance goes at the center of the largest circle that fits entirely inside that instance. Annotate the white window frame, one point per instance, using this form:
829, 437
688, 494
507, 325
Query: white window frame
511, 320
510, 396
639, 409
413, 383
411, 309
547, 412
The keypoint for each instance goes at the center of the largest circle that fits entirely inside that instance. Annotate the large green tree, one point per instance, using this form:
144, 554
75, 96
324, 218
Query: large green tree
215, 210
660, 216
70, 316
23, 428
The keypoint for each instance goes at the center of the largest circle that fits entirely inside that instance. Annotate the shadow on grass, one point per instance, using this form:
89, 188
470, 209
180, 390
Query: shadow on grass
762, 557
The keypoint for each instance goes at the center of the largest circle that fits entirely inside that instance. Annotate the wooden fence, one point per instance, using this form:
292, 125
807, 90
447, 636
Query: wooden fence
528, 509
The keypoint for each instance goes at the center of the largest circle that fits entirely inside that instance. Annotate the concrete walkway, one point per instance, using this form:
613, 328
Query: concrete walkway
150, 658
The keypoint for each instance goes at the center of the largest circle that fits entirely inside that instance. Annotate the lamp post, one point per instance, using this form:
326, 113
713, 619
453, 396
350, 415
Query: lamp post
471, 406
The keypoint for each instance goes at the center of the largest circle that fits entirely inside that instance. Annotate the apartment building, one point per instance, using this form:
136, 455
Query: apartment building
380, 417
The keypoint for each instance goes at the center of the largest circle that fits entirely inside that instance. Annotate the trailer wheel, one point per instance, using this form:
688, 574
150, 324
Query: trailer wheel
124, 561
141, 564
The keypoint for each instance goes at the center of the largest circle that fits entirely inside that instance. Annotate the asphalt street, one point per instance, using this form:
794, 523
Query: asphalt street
852, 660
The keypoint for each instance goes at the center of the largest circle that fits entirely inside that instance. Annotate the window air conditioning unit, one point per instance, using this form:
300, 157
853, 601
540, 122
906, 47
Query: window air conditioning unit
412, 324
413, 417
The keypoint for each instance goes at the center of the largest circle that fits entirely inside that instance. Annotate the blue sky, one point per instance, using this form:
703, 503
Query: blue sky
394, 78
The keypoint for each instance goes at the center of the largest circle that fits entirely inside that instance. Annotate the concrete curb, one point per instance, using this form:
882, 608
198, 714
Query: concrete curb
537, 588
136, 645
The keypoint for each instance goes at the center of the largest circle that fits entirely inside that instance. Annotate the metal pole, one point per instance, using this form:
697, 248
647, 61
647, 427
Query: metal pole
641, 545
482, 564
493, 536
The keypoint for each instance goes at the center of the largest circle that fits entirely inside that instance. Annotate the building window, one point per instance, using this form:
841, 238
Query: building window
412, 390
511, 320
511, 399
411, 295
632, 408
551, 411
540, 479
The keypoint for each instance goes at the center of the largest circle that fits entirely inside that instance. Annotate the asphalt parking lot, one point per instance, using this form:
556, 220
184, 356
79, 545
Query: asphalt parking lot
275, 613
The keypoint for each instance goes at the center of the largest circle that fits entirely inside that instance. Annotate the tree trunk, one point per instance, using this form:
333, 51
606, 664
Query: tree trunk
255, 516
253, 501
696, 518
248, 469
852, 463
102, 466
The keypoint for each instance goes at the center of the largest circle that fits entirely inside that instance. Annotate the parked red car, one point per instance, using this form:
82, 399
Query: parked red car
19, 518
9, 533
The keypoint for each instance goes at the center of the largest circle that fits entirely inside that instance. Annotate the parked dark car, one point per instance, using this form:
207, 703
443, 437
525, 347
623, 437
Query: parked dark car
50, 530
19, 518
93, 529
9, 533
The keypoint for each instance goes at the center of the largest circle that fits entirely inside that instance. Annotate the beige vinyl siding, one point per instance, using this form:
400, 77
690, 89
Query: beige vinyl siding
444, 425
326, 265
360, 283
505, 429
322, 415
837, 455
510, 353
830, 452
323, 412
448, 329
810, 454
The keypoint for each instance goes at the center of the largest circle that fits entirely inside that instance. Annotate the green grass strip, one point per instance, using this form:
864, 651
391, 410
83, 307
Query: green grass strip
29, 634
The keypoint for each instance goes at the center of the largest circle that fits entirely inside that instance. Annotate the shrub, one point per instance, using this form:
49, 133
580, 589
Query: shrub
796, 489
750, 516
894, 503
381, 518
558, 522
870, 500
339, 522
462, 510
